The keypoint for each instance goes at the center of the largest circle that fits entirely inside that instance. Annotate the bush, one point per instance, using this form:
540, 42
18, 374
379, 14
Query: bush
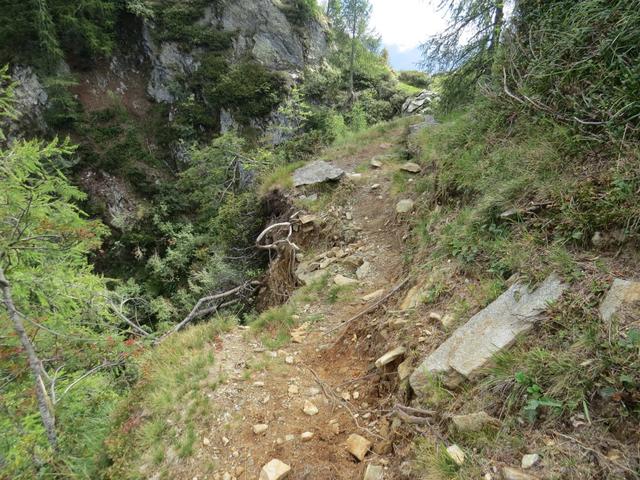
43, 33
250, 90
415, 78
300, 12
576, 62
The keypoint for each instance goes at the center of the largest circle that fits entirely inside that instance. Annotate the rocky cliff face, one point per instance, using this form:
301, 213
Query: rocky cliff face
262, 32
148, 69
266, 34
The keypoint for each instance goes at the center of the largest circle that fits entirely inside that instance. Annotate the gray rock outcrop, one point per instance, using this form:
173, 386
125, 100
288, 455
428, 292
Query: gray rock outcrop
265, 32
491, 330
421, 103
168, 63
316, 172
262, 32
31, 100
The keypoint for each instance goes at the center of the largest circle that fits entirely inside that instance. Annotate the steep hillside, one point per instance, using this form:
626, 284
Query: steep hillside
223, 255
340, 381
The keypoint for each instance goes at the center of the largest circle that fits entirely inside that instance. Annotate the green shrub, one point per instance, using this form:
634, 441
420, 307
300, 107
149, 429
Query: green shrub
300, 12
250, 90
415, 78
43, 33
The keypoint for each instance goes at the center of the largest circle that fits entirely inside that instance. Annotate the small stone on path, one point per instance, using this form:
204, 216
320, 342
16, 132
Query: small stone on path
260, 428
456, 454
411, 167
375, 163
474, 422
509, 473
289, 360
374, 472
358, 446
390, 356
275, 470
405, 206
306, 436
620, 301
404, 370
343, 281
309, 408
363, 270
373, 295
529, 460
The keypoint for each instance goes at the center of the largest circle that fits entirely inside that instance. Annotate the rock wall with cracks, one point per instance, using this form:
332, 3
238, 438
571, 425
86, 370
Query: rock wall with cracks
263, 32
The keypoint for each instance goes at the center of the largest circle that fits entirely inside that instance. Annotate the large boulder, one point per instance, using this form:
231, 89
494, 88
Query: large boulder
488, 332
420, 104
316, 172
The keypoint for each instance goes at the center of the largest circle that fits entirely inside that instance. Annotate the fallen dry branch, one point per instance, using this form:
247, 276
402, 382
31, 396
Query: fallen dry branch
371, 307
275, 245
601, 456
412, 419
417, 411
124, 318
196, 311
414, 416
334, 398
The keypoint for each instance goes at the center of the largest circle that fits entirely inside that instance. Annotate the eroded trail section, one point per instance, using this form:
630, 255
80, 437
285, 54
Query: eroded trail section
315, 404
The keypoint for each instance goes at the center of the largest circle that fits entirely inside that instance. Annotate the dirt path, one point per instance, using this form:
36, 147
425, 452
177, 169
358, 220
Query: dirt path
329, 371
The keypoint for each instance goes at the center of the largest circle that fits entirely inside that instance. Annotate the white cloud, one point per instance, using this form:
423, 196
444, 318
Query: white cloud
406, 23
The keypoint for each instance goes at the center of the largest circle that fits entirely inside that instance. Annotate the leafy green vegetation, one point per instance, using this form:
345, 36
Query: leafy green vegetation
529, 173
415, 78
42, 33
62, 348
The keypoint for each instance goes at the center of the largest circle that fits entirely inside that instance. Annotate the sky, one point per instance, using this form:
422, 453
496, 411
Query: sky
404, 25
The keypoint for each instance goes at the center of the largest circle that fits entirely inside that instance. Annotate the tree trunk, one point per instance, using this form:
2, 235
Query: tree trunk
498, 21
44, 402
354, 27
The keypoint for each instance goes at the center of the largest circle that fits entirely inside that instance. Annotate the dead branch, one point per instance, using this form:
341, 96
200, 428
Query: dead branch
600, 455
124, 318
416, 411
197, 313
333, 397
44, 402
371, 307
276, 244
412, 419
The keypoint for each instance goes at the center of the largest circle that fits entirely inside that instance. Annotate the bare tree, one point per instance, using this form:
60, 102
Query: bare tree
356, 14
45, 405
